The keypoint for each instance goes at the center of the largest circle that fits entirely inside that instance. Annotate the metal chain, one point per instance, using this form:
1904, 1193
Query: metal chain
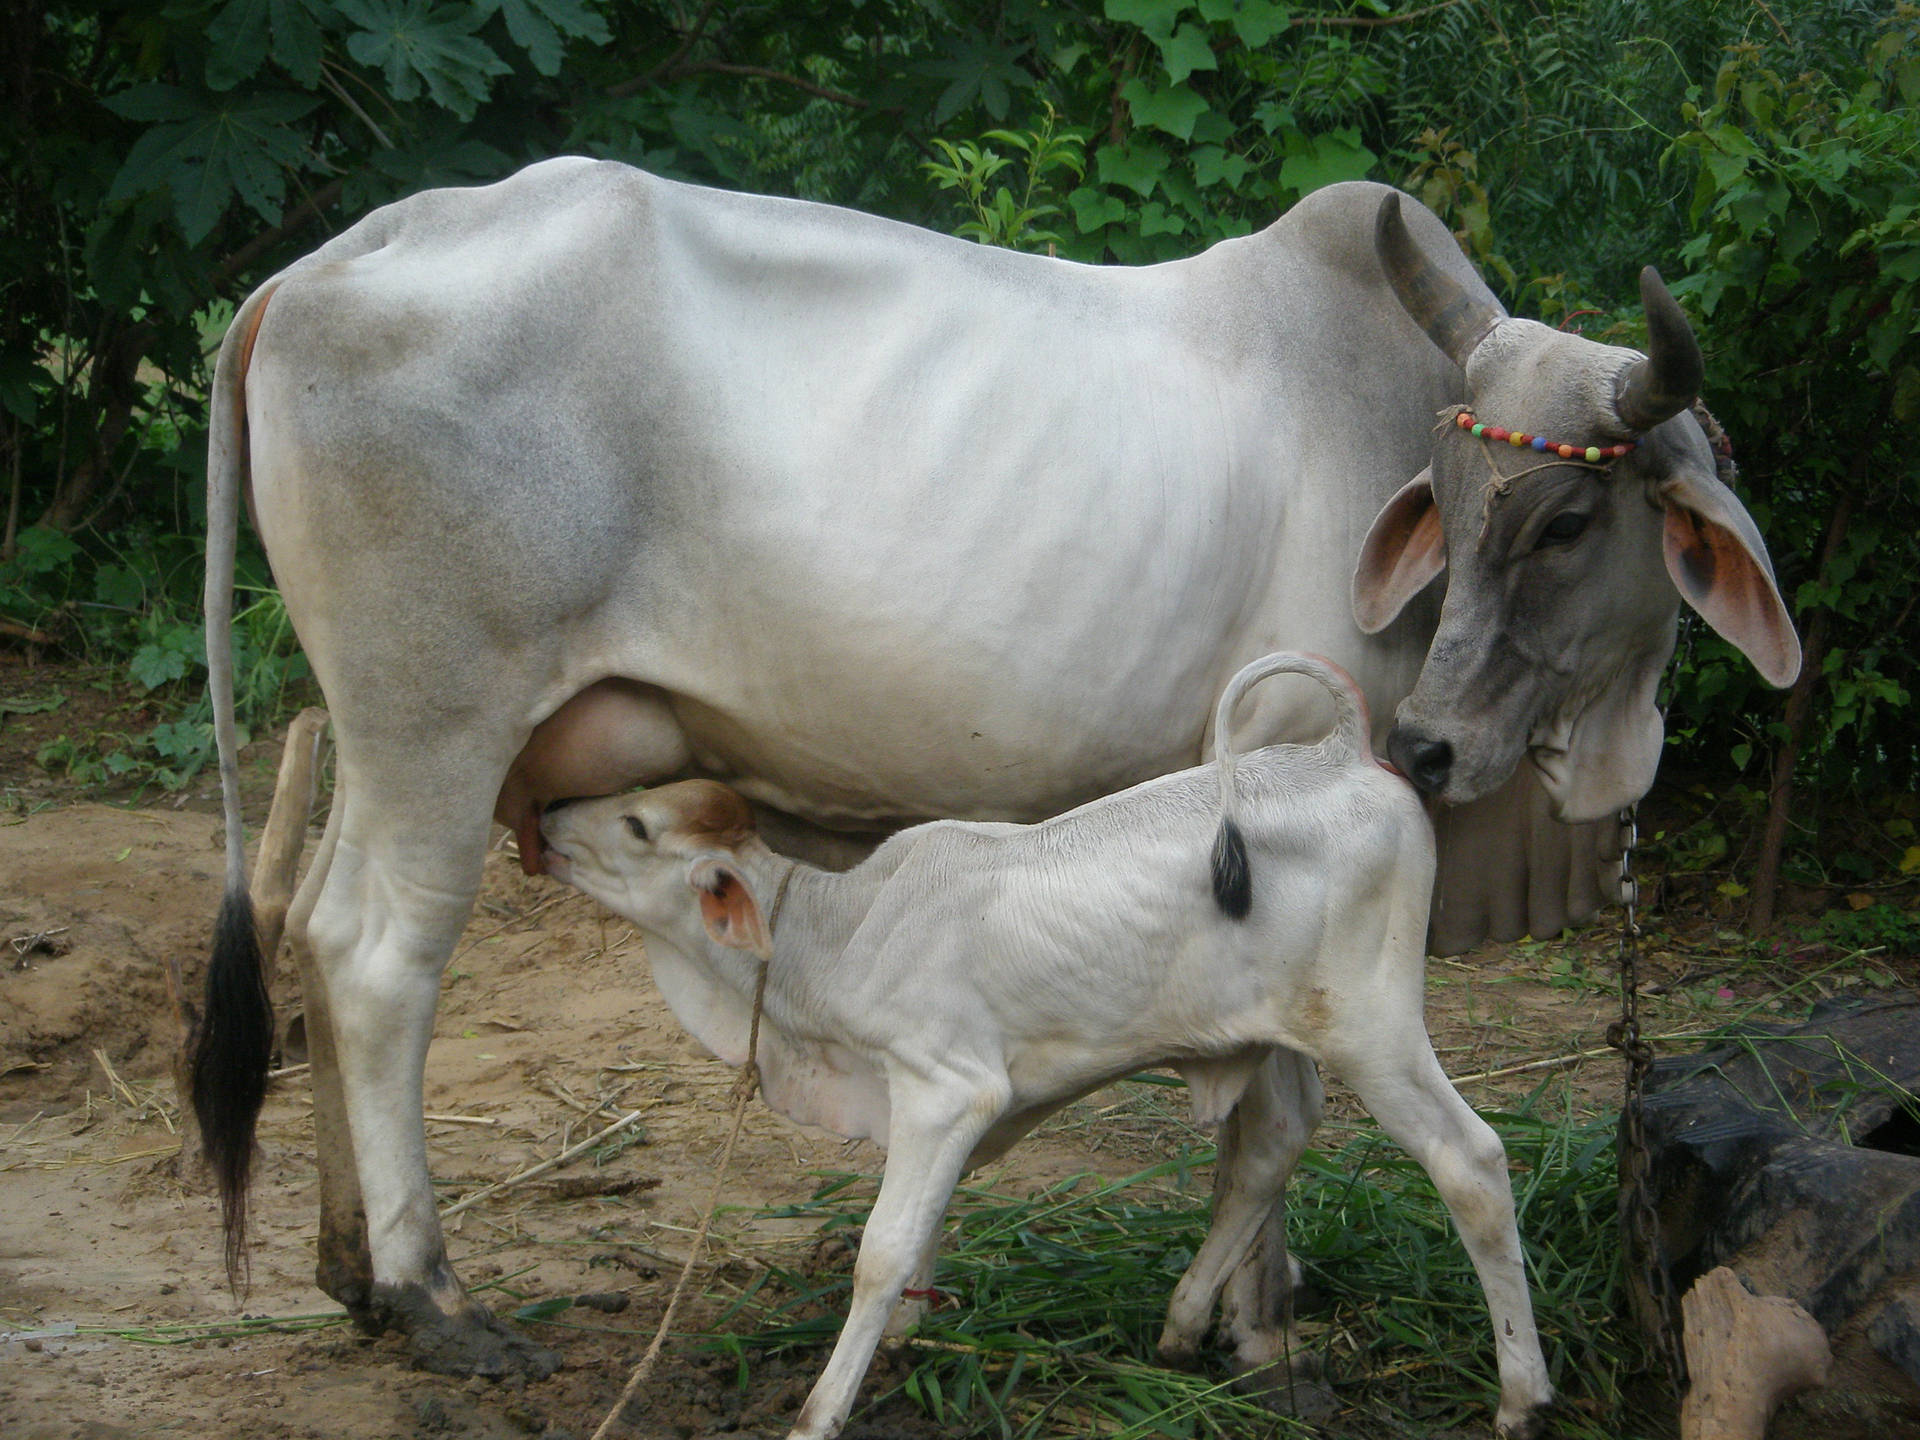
1639, 1219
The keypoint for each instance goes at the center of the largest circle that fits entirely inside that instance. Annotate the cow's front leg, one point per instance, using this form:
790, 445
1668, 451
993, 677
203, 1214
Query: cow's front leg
397, 890
932, 1131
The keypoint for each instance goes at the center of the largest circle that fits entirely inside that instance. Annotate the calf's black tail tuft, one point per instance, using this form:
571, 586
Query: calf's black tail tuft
230, 1062
1232, 877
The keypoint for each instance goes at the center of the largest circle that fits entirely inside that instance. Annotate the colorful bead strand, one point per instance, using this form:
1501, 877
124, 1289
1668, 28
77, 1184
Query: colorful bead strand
1520, 440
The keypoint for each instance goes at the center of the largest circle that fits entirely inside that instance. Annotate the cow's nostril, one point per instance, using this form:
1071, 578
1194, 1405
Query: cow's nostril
1425, 761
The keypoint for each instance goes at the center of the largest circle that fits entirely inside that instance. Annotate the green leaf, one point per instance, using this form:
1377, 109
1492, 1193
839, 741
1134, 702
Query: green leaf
1254, 21
236, 43
544, 1309
1186, 51
1321, 160
21, 382
297, 40
537, 25
1214, 165
1093, 208
32, 705
1137, 165
212, 148
1156, 17
152, 103
1173, 110
40, 549
180, 739
977, 70
415, 45
1156, 219
154, 665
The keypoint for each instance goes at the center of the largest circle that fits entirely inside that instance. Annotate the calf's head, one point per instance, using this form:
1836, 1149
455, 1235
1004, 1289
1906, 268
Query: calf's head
1564, 570
655, 856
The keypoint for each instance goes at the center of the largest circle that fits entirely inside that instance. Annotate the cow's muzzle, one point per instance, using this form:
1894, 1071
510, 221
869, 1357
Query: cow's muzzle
1424, 759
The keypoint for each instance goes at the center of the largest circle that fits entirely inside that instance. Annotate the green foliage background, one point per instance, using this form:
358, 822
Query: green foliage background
159, 159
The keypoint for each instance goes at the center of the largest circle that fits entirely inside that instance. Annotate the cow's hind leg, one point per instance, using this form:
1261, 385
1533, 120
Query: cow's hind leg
401, 876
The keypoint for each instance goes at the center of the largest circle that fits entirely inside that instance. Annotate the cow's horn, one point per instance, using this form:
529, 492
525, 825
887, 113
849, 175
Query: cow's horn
1454, 317
1666, 382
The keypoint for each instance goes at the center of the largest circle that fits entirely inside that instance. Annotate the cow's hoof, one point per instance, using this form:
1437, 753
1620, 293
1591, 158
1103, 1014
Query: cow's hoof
486, 1347
1288, 1391
469, 1342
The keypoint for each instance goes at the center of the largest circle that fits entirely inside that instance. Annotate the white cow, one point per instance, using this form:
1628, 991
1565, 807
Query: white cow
966, 981
589, 478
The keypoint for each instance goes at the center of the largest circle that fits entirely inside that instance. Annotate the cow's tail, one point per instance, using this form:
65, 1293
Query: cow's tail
1232, 875
235, 1044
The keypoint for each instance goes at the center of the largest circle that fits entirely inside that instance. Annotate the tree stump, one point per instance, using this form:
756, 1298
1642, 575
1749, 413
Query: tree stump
1746, 1353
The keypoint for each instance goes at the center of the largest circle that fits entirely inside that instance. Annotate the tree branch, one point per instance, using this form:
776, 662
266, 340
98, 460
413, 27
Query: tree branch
307, 210
671, 63
779, 77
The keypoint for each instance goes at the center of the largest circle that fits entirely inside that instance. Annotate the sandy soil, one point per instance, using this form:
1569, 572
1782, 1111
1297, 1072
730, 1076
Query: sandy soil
548, 1029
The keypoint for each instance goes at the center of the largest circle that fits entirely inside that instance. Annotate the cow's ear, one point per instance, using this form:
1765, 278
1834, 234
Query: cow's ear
728, 909
1719, 563
1403, 552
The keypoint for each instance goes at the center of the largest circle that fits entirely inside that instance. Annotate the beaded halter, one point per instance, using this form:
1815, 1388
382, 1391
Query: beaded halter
1520, 440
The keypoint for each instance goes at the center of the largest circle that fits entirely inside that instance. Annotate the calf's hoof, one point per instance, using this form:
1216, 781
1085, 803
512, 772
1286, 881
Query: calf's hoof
1530, 1424
1294, 1390
1178, 1352
469, 1342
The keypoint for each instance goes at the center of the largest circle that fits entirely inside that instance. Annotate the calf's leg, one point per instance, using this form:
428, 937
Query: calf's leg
933, 1130
1256, 1308
1244, 1254
915, 1300
1400, 1082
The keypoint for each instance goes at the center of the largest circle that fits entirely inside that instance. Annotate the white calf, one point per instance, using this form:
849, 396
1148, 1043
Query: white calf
969, 979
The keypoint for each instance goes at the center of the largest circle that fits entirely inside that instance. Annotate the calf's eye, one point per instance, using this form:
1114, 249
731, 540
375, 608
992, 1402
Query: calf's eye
1563, 529
636, 827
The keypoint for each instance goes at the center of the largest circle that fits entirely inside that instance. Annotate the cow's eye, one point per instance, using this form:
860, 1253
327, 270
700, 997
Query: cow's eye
1563, 529
639, 830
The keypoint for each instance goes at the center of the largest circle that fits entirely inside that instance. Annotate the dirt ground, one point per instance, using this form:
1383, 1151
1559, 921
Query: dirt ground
549, 1029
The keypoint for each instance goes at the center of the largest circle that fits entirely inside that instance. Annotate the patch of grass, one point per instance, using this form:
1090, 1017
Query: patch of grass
1060, 1297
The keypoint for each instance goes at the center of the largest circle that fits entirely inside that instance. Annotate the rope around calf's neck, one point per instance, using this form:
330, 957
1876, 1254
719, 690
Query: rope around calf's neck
743, 1092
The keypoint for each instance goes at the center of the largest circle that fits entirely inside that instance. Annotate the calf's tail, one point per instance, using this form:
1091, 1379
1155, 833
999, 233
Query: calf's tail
235, 1044
1232, 876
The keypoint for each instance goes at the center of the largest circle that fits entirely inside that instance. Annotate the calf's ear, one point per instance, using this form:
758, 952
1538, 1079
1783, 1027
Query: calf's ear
1719, 564
1403, 551
728, 909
